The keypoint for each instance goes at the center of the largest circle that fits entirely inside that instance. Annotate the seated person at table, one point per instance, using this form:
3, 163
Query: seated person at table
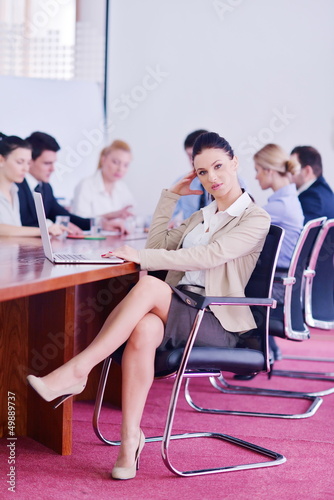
315, 194
15, 158
44, 155
214, 251
105, 192
274, 169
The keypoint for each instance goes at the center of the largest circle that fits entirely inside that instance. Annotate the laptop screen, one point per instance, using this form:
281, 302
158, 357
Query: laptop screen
43, 226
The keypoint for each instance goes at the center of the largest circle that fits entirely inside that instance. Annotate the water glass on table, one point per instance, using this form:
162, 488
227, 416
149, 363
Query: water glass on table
95, 226
63, 220
130, 224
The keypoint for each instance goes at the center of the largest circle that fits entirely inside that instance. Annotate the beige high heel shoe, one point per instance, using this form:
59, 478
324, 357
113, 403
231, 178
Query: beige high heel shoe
130, 472
49, 395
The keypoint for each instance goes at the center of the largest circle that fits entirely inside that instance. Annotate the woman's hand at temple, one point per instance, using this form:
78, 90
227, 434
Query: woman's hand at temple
124, 252
182, 187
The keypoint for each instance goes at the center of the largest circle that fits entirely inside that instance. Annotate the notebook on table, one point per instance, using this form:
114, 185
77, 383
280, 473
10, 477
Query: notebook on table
64, 258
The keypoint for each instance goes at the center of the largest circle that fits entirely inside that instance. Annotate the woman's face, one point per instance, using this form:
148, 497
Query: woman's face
216, 171
264, 176
115, 164
15, 166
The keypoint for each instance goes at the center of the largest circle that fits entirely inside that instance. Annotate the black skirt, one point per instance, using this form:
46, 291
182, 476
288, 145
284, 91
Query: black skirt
180, 319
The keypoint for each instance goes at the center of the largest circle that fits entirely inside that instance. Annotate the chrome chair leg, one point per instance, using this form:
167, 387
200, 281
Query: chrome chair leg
220, 384
328, 377
308, 358
308, 375
277, 458
99, 401
254, 390
292, 374
98, 407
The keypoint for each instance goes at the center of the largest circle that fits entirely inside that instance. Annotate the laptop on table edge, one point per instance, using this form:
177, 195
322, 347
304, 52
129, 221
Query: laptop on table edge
64, 258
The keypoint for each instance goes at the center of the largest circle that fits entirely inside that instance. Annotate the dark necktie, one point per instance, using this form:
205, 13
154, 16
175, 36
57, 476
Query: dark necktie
39, 188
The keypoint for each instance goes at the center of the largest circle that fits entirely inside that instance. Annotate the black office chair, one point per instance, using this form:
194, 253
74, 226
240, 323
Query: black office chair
286, 321
192, 361
292, 325
319, 289
319, 294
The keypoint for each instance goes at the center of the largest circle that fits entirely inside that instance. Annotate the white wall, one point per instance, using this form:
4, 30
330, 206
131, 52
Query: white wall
254, 71
71, 111
231, 66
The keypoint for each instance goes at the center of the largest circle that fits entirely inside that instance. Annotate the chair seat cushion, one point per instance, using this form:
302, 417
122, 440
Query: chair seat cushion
240, 361
237, 360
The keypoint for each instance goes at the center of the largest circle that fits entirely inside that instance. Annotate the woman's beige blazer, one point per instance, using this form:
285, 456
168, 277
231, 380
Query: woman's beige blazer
228, 259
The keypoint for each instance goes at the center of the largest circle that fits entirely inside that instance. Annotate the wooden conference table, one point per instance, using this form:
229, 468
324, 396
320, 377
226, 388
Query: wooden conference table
48, 313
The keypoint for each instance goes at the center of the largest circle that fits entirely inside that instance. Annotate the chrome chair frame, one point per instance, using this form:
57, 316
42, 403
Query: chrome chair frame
223, 386
319, 252
295, 282
293, 328
322, 255
321, 265
185, 367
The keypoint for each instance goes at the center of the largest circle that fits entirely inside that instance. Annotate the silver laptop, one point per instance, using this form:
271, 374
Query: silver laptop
60, 258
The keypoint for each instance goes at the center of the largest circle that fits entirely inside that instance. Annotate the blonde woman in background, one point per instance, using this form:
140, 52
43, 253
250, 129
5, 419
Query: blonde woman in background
274, 169
104, 193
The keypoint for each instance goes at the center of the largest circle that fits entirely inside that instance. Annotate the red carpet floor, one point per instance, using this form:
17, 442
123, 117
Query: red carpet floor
306, 443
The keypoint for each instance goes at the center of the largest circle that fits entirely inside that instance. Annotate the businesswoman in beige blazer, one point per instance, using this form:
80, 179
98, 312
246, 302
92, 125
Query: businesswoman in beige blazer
213, 252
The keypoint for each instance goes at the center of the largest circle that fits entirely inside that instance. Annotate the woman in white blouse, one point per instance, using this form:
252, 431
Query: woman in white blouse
15, 158
105, 193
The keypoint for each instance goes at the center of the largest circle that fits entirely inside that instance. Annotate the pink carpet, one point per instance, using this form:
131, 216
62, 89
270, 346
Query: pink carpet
306, 443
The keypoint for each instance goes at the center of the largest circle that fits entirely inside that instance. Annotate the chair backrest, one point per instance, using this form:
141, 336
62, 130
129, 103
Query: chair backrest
292, 322
319, 286
260, 285
261, 281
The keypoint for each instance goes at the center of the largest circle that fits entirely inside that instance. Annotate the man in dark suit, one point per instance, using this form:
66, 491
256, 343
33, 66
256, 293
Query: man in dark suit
315, 195
44, 156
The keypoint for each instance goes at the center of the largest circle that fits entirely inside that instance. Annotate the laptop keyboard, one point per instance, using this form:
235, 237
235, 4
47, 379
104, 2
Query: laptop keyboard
70, 257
